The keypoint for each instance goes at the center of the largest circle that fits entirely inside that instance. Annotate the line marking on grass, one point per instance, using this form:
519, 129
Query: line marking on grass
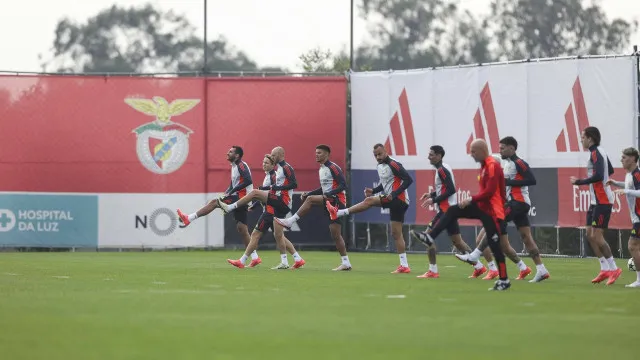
214, 286
239, 288
107, 279
12, 274
396, 296
450, 266
61, 277
448, 300
616, 310
159, 283
529, 304
125, 291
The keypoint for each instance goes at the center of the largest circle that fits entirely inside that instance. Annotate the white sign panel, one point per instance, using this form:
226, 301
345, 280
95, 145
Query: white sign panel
544, 105
150, 220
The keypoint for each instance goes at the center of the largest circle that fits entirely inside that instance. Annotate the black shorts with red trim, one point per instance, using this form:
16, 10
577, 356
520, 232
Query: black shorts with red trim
452, 229
397, 208
518, 212
598, 216
333, 200
280, 209
635, 231
240, 214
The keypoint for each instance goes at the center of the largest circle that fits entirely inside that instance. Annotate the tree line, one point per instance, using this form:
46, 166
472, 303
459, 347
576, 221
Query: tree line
404, 34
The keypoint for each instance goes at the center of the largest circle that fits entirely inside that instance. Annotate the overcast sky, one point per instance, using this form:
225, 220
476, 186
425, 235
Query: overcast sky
272, 32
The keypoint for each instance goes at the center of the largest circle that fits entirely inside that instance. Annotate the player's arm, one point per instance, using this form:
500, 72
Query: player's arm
291, 180
616, 183
447, 183
317, 191
229, 188
598, 166
491, 186
398, 170
636, 188
245, 175
338, 176
525, 172
377, 189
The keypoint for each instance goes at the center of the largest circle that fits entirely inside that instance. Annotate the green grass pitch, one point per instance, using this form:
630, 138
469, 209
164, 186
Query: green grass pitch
193, 305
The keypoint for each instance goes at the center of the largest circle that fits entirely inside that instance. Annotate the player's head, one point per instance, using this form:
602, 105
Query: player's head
436, 153
235, 153
508, 147
268, 163
479, 150
629, 158
278, 153
380, 153
590, 137
322, 153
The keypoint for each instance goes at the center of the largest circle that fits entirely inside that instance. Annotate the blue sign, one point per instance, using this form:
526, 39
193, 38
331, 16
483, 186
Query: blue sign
48, 220
369, 178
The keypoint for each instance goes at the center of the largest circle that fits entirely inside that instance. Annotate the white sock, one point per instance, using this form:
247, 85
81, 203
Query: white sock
343, 212
541, 269
603, 264
192, 216
478, 265
254, 255
345, 261
612, 263
403, 259
433, 268
295, 217
296, 256
522, 266
283, 259
243, 258
638, 275
475, 255
492, 266
233, 206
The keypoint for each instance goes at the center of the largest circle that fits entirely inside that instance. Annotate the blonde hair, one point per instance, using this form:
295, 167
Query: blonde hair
270, 158
631, 151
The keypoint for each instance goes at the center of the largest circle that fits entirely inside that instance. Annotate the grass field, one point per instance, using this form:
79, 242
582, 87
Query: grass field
193, 305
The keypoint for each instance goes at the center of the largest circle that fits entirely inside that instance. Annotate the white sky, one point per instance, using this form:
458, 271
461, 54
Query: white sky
272, 32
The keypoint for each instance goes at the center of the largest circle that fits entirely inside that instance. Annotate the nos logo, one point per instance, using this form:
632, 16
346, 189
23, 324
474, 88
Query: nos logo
162, 221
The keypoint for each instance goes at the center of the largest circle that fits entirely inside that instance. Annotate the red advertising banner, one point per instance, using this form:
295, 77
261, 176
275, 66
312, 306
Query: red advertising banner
147, 135
260, 114
466, 185
574, 201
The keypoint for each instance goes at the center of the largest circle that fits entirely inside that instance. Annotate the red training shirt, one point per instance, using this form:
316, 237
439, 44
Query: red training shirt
492, 195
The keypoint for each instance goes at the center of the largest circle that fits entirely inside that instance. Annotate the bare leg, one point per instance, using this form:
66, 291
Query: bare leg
634, 250
483, 245
336, 235
259, 195
460, 244
530, 244
367, 203
205, 210
244, 233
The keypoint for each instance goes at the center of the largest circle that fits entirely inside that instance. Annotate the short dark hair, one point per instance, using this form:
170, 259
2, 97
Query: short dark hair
238, 151
510, 141
377, 146
438, 150
324, 147
633, 152
593, 133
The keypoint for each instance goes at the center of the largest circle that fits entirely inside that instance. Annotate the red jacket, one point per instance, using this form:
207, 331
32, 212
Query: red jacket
492, 195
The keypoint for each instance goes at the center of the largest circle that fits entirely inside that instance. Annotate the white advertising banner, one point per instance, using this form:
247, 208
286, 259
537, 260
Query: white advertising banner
544, 105
150, 220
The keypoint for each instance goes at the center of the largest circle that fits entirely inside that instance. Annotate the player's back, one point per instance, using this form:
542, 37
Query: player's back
285, 172
632, 182
601, 193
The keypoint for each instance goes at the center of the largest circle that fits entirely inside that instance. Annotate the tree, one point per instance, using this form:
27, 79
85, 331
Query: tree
421, 33
534, 29
139, 39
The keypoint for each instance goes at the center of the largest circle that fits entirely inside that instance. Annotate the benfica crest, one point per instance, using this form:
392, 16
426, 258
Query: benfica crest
162, 145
